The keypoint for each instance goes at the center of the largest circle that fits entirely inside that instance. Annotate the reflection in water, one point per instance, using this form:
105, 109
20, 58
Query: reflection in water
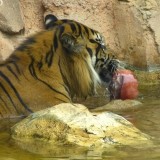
147, 120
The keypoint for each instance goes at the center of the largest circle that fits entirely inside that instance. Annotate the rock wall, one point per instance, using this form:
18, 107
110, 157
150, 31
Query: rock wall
136, 23
130, 27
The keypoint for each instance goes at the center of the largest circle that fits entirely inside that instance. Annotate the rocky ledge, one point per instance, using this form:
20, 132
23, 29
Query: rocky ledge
74, 124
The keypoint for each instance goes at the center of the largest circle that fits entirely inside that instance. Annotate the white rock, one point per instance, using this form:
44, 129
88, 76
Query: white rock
74, 124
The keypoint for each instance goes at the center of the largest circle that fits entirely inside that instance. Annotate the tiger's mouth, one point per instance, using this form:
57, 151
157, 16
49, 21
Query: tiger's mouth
106, 76
107, 72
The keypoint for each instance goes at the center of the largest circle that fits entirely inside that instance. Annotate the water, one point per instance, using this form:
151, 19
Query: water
146, 119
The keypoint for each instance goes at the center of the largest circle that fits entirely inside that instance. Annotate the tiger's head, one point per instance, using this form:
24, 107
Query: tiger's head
68, 59
87, 45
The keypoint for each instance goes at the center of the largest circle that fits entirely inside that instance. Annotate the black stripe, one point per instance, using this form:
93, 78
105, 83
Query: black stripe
13, 59
31, 68
26, 43
93, 32
89, 51
100, 59
3, 88
87, 30
1, 115
55, 41
15, 91
108, 58
64, 79
73, 27
61, 28
10, 62
92, 41
49, 57
53, 88
10, 69
80, 29
33, 73
40, 64
5, 104
65, 20
16, 67
2, 106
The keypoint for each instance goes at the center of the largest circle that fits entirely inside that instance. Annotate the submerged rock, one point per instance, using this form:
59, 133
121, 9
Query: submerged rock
120, 106
73, 124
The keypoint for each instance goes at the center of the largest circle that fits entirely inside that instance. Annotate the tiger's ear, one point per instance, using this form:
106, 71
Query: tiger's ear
50, 21
71, 43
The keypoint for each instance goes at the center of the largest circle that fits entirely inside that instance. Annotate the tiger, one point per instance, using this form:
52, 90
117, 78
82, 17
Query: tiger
52, 66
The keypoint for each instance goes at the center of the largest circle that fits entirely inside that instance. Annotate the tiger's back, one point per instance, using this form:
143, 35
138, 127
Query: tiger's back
24, 78
50, 68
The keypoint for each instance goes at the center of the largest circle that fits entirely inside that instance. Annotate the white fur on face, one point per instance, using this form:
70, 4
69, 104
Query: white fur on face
95, 76
93, 60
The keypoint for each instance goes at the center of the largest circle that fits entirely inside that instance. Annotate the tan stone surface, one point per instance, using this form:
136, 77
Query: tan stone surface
137, 38
74, 124
10, 17
33, 15
6, 47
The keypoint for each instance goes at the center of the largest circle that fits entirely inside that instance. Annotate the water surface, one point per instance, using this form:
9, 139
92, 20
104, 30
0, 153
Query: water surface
146, 119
